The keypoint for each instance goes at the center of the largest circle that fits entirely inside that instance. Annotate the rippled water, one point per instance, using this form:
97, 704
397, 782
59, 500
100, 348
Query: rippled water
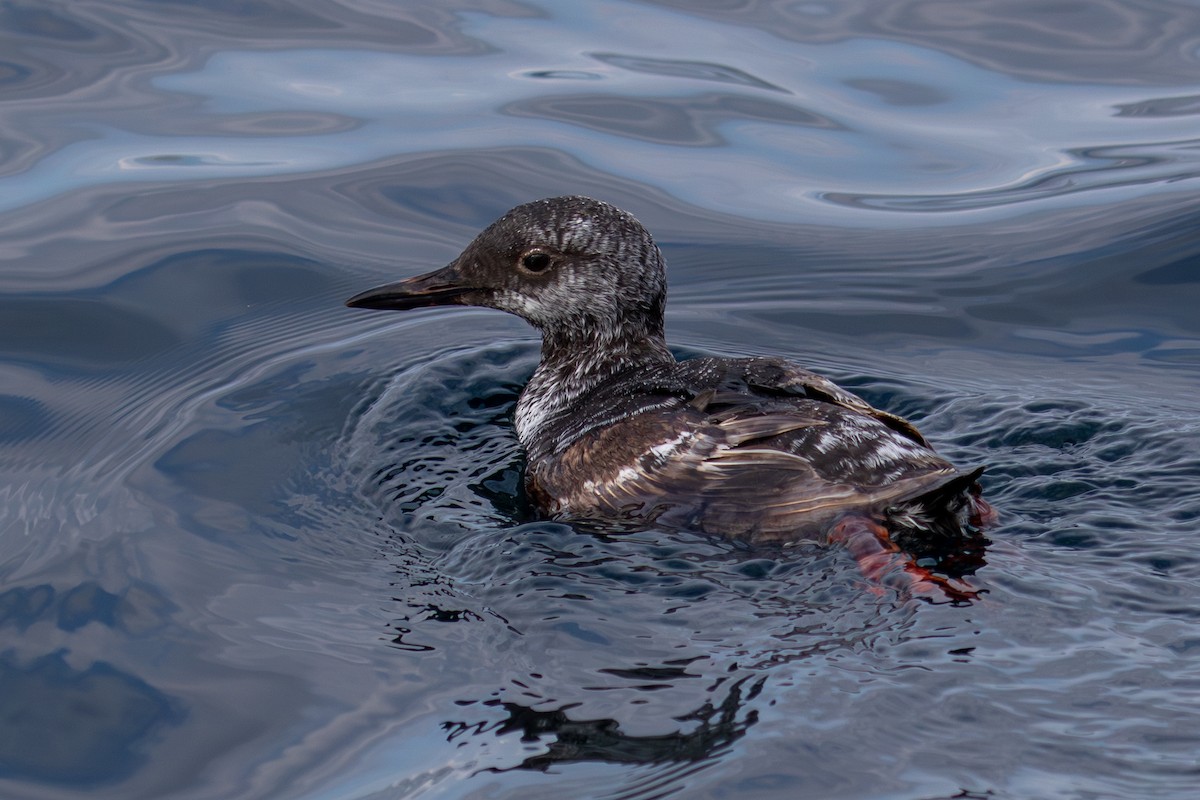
257, 545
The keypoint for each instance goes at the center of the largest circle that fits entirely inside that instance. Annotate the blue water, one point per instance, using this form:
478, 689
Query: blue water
257, 545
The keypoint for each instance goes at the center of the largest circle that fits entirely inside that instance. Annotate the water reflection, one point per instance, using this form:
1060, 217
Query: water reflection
711, 730
690, 122
708, 71
139, 610
1185, 106
84, 728
780, 111
1091, 169
1102, 41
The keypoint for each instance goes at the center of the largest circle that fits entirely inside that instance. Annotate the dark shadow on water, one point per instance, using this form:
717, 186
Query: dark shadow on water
576, 741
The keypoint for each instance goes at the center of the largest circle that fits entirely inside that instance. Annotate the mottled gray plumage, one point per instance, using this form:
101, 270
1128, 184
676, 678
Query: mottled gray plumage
614, 427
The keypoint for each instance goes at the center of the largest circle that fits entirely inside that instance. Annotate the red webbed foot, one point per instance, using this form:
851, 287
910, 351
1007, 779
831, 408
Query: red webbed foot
983, 514
883, 562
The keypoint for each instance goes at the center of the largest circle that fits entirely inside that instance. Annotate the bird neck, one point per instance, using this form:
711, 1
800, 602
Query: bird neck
577, 364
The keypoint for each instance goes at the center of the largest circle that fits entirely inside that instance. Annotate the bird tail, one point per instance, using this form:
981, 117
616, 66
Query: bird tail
939, 513
953, 491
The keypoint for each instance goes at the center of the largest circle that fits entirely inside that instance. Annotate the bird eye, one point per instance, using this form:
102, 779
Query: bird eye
537, 261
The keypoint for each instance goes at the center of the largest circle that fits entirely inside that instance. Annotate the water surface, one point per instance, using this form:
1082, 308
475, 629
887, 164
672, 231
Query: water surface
258, 545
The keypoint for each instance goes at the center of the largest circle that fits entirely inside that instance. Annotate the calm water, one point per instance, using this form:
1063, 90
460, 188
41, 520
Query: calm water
257, 545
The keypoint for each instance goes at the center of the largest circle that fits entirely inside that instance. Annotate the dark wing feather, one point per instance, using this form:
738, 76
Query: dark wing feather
776, 375
760, 471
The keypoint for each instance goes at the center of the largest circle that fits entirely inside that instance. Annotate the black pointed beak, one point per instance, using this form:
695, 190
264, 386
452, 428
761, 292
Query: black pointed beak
441, 288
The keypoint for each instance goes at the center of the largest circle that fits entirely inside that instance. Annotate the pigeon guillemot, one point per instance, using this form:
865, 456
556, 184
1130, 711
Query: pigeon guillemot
614, 427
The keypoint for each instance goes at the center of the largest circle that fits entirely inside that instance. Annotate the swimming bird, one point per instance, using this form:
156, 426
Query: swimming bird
615, 428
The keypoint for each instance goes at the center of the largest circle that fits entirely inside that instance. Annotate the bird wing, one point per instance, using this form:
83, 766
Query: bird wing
782, 377
755, 470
